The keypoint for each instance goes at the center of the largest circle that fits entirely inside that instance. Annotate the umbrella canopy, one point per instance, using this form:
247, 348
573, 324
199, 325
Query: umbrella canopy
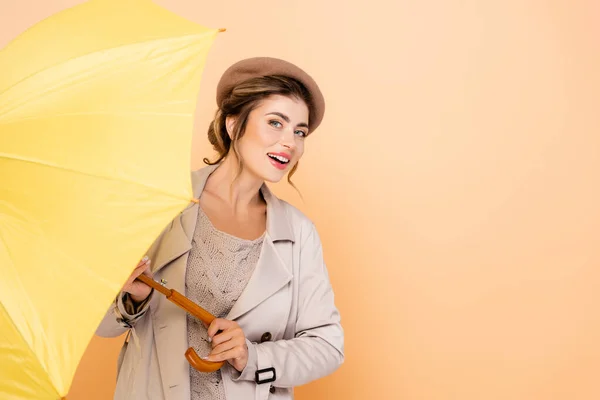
96, 117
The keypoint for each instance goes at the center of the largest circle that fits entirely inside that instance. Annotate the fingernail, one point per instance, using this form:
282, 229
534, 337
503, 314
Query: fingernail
204, 358
209, 339
145, 258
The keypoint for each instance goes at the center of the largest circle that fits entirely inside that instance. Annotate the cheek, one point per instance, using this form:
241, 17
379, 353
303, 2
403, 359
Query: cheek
252, 143
265, 138
299, 149
260, 140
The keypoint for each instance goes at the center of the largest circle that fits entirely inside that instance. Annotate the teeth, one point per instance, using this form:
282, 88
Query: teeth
280, 158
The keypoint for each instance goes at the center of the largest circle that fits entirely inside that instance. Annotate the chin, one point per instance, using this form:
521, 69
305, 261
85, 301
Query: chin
273, 178
274, 175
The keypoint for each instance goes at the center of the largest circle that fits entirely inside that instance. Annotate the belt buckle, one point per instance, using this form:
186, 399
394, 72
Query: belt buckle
262, 371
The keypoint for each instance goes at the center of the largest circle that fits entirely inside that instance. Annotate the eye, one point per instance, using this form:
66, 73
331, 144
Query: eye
301, 133
274, 123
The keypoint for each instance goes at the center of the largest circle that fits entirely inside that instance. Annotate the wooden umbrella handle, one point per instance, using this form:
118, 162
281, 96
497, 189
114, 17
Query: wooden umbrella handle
180, 300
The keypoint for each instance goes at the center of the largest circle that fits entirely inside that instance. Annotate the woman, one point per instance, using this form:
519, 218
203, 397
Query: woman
249, 258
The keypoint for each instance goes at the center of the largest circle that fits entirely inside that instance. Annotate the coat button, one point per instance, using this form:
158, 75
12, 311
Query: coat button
265, 337
272, 389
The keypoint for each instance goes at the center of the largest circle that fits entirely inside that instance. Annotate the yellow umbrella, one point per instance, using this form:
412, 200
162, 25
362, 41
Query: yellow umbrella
96, 116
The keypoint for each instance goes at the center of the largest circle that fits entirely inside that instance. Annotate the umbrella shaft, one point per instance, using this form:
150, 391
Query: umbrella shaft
153, 284
178, 299
191, 307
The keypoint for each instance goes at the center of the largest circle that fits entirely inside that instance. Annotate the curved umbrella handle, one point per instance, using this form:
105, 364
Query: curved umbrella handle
200, 364
177, 298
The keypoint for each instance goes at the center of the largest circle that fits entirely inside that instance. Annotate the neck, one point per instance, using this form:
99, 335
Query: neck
239, 194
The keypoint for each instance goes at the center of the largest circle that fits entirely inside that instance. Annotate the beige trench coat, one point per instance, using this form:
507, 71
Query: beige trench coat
287, 313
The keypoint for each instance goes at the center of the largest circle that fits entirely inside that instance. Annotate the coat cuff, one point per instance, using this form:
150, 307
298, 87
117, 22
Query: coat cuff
248, 373
258, 370
128, 312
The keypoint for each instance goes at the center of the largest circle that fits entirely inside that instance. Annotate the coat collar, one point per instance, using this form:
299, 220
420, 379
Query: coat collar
278, 225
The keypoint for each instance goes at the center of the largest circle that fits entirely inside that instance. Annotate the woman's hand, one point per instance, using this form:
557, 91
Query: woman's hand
229, 344
137, 290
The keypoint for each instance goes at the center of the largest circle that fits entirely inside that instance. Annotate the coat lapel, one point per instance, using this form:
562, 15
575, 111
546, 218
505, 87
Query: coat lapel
271, 274
273, 270
174, 244
177, 240
170, 324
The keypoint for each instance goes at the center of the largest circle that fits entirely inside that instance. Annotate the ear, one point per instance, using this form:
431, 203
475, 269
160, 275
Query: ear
230, 125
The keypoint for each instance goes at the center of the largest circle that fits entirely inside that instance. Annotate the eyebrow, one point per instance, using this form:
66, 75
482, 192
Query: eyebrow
287, 119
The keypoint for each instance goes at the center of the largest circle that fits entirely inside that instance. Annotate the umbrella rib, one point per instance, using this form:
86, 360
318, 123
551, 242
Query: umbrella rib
50, 165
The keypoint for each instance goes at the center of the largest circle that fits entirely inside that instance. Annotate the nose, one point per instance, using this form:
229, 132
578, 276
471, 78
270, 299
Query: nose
287, 139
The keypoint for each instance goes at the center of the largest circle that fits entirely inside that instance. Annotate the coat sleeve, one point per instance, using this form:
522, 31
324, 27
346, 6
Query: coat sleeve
317, 348
122, 315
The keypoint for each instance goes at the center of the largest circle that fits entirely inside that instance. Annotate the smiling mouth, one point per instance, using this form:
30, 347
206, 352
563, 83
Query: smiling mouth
280, 159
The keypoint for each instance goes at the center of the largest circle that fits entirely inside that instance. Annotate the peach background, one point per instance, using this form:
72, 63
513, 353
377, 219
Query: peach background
454, 181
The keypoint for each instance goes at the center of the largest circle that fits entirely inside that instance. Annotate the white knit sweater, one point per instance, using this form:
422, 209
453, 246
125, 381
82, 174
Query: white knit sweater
219, 267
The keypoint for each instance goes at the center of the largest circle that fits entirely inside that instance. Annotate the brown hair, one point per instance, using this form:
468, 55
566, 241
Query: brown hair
242, 100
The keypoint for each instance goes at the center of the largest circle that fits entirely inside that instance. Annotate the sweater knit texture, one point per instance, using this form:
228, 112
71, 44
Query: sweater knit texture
219, 267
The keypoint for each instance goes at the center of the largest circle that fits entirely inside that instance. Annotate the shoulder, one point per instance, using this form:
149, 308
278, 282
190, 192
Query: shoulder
199, 177
295, 213
302, 226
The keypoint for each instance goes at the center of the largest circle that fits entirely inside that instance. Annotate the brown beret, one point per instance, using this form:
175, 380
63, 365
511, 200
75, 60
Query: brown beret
264, 66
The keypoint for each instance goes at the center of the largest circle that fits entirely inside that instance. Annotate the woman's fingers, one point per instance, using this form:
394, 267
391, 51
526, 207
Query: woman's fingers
219, 324
228, 342
222, 337
232, 354
143, 261
143, 266
228, 345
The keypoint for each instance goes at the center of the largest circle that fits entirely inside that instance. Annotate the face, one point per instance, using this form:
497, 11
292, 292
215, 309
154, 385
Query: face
273, 141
